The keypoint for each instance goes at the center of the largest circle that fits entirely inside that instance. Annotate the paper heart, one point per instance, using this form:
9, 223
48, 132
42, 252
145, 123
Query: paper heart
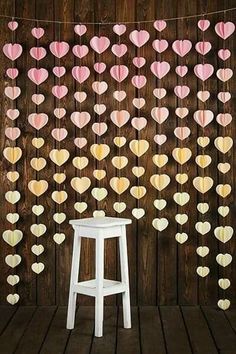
138, 213
38, 163
160, 181
119, 29
181, 237
37, 267
99, 67
119, 184
119, 207
223, 304
224, 96
160, 204
13, 260
12, 133
224, 283
160, 160
99, 87
203, 24
181, 70
181, 178
224, 54
223, 144
59, 49
12, 217
37, 32
224, 259
12, 92
203, 117
99, 44
99, 151
38, 98
181, 198
38, 209
13, 299
80, 184
13, 113
80, 207
203, 227
139, 38
224, 74
38, 229
59, 177
119, 162
223, 167
119, 95
203, 71
138, 102
12, 51
223, 211
98, 213
224, 119
160, 139
59, 91
139, 62
119, 141
119, 50
59, 134
13, 176
159, 25
13, 279
160, 224
38, 53
181, 112
99, 174
203, 208
223, 190
59, 218
99, 108
160, 45
80, 162
203, 47
203, 141
182, 132
12, 237
203, 184
182, 47
59, 238
80, 142
80, 51
181, 218
182, 91
12, 154
38, 120
160, 68
59, 156
139, 147
202, 251
224, 29
181, 155
138, 171
203, 271
203, 160
203, 95
120, 118
80, 96
37, 142
37, 249
159, 93
59, 112
223, 233
99, 193
160, 114
138, 192
139, 81
12, 73
80, 29
12, 25
139, 123
38, 187
59, 197
80, 119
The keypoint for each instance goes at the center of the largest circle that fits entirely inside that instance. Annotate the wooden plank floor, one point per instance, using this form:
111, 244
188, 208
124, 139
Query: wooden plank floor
155, 330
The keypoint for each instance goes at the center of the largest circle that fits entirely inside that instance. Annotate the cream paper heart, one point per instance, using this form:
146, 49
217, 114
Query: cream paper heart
223, 304
38, 187
138, 192
138, 171
119, 141
224, 259
203, 160
38, 163
203, 95
99, 214
223, 167
203, 208
119, 162
80, 207
181, 218
80, 184
80, 162
13, 260
13, 176
203, 227
160, 160
99, 151
37, 267
139, 147
203, 141
181, 155
160, 181
223, 211
37, 249
119, 184
37, 142
99, 108
12, 154
181, 198
99, 193
181, 237
223, 144
160, 224
119, 207
203, 184
224, 283
160, 204
119, 95
13, 298
59, 196
38, 229
138, 213
99, 174
59, 218
223, 190
138, 102
38, 209
202, 251
181, 112
59, 238
12, 217
80, 96
59, 177
12, 196
13, 279
181, 178
159, 93
223, 233
203, 271
59, 157
12, 237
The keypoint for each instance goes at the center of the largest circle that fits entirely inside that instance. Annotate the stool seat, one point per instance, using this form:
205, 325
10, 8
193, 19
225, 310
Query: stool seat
104, 221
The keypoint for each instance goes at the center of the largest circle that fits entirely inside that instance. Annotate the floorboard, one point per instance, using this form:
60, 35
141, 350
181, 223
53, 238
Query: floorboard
6, 313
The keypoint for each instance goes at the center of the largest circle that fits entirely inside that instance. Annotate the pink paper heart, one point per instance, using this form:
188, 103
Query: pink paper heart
182, 132
139, 38
119, 50
224, 74
38, 98
80, 29
99, 87
12, 25
119, 29
160, 45
181, 91
59, 49
159, 93
80, 73
38, 120
224, 54
12, 73
59, 71
80, 119
224, 96
38, 76
12, 92
224, 29
181, 70
59, 134
139, 62
203, 47
119, 72
139, 102
139, 123
80, 51
99, 108
160, 68
182, 47
203, 25
59, 91
13, 113
99, 44
159, 25
12, 51
37, 32
203, 71
224, 119
160, 139
38, 53
59, 112
119, 95
181, 112
12, 133
80, 142
203, 117
160, 114
120, 118
99, 67
139, 81
203, 95
80, 96
99, 128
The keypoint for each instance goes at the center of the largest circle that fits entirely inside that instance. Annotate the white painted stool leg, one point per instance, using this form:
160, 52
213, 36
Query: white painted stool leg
73, 280
99, 301
125, 278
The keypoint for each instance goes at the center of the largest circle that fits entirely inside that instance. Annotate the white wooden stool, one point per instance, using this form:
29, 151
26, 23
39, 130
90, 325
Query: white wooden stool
99, 229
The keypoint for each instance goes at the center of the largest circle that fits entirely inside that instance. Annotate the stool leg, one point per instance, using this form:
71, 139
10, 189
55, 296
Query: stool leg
99, 301
73, 280
125, 278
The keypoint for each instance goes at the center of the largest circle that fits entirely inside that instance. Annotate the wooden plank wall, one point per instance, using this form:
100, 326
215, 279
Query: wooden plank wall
161, 271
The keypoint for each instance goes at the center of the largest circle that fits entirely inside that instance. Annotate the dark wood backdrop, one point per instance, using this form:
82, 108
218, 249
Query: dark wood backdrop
161, 271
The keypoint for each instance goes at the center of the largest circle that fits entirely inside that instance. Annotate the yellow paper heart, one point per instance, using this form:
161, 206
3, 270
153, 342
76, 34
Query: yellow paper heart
13, 260
119, 184
224, 283
38, 187
59, 177
138, 192
202, 251
98, 213
59, 238
80, 162
37, 142
181, 218
223, 190
203, 160
181, 198
203, 227
223, 304
203, 208
13, 176
160, 182
203, 141
223, 233
80, 207
138, 171
223, 167
223, 210
119, 207
99, 193
139, 147
160, 160
12, 217
12, 196
59, 218
37, 267
13, 298
12, 237
37, 209
12, 154
224, 144
160, 203
38, 229
80, 184
38, 163
203, 271
99, 151
59, 196
181, 237
119, 162
99, 174
224, 259
13, 279
160, 224
138, 213
119, 141
203, 184
59, 157
181, 178
181, 155
37, 249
